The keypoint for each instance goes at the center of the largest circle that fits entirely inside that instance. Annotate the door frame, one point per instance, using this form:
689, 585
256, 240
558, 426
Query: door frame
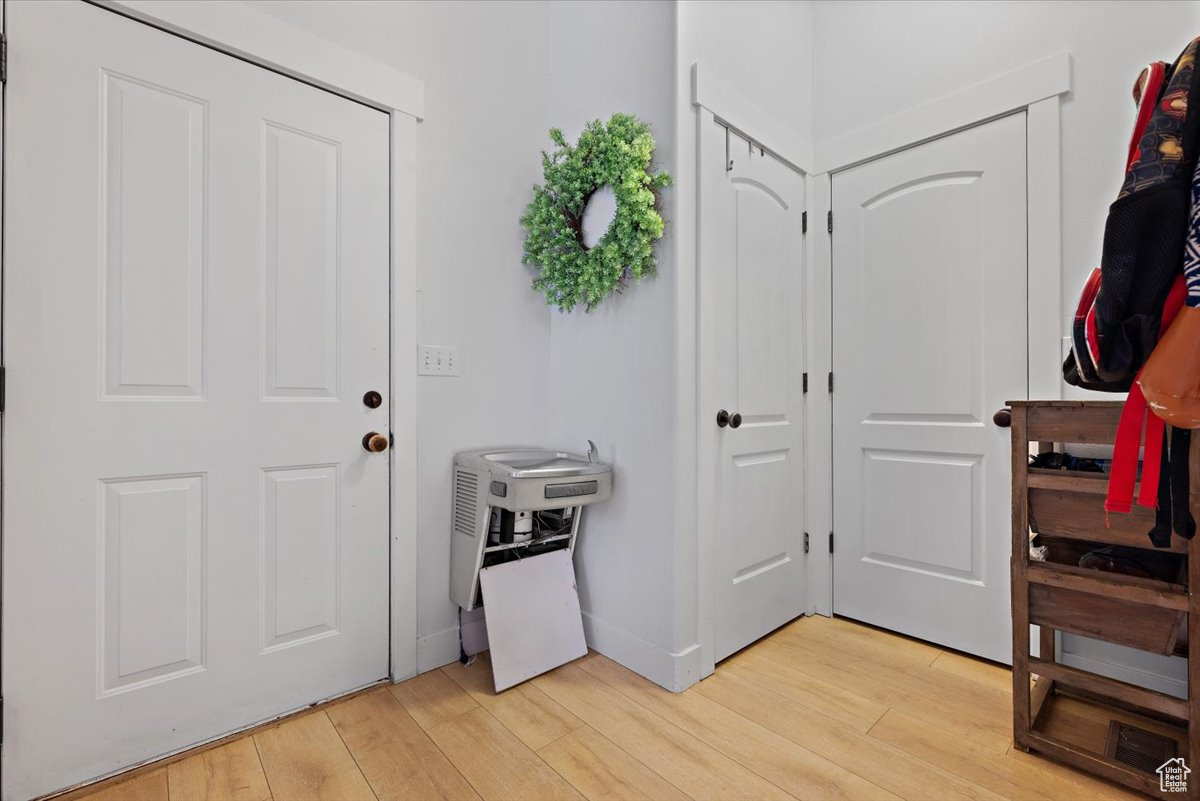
721, 105
272, 44
1037, 89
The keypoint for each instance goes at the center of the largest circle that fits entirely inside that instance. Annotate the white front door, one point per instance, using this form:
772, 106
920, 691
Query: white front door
929, 317
195, 302
752, 362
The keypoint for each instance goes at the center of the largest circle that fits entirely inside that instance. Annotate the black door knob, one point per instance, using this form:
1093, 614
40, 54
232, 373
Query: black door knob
735, 421
1003, 418
723, 419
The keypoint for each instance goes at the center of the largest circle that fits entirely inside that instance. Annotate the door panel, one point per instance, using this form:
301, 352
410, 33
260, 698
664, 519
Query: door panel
752, 275
154, 147
196, 299
929, 287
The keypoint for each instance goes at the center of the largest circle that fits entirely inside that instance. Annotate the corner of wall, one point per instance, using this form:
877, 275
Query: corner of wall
672, 670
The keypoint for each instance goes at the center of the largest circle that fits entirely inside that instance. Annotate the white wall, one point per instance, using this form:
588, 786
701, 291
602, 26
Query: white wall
763, 47
486, 76
612, 371
875, 59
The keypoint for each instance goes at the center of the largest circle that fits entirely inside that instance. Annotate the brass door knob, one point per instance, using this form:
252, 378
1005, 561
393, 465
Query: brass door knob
374, 442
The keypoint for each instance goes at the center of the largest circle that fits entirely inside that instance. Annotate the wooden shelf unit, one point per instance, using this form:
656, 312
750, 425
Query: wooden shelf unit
1066, 509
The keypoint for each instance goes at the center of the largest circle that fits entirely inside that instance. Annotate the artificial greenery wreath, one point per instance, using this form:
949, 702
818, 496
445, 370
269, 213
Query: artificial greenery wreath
616, 154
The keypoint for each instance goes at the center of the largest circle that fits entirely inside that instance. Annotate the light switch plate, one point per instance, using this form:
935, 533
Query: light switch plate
437, 360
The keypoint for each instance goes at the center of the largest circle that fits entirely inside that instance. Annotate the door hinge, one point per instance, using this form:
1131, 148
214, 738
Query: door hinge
829, 221
831, 382
831, 542
806, 542
3, 58
804, 383
1, 719
804, 222
3, 387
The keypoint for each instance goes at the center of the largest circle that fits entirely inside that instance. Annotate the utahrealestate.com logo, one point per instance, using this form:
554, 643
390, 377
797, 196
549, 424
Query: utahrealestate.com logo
1172, 776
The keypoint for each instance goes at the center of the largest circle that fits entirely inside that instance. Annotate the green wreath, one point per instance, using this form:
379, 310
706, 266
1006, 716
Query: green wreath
616, 154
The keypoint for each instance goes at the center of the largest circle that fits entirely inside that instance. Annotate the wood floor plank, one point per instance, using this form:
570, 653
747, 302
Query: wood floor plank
864, 639
854, 751
525, 710
146, 787
397, 757
857, 711
600, 770
305, 760
995, 676
834, 646
1103, 788
498, 765
978, 714
777, 759
1011, 778
433, 698
231, 772
694, 767
782, 667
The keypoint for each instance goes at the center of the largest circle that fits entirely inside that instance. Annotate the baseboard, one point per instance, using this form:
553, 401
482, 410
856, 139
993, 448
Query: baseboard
1126, 673
674, 671
437, 649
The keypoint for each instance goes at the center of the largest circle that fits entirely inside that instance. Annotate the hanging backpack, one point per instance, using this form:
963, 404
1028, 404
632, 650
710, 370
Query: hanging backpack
1089, 366
1138, 288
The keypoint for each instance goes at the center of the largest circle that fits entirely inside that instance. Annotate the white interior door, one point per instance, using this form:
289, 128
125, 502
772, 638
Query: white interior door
929, 318
196, 301
752, 353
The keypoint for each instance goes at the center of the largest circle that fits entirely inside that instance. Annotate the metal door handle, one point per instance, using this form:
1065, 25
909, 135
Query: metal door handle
722, 418
735, 421
1003, 418
374, 442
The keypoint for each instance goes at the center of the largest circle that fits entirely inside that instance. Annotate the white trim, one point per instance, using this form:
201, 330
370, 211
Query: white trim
818, 515
1130, 675
1043, 136
732, 107
437, 649
690, 609
673, 671
261, 39
710, 146
403, 531
1002, 95
241, 31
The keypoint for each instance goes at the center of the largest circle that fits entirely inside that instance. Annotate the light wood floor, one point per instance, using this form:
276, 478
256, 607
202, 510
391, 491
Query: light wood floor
822, 709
